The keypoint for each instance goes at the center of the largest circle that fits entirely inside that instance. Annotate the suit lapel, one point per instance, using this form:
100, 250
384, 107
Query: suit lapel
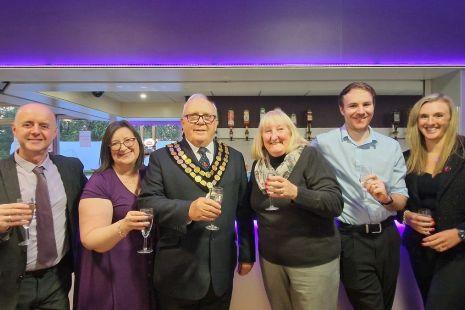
453, 166
10, 179
187, 149
11, 185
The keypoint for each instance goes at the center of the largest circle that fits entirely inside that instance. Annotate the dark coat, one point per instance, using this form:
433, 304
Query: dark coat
450, 201
12, 256
188, 255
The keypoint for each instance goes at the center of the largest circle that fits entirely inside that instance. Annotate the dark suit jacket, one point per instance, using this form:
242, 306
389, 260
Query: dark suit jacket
12, 256
450, 201
188, 255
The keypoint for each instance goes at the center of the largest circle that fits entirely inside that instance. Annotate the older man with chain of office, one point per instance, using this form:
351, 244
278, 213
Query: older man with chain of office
194, 266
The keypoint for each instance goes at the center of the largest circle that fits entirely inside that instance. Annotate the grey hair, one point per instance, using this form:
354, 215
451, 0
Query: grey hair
198, 97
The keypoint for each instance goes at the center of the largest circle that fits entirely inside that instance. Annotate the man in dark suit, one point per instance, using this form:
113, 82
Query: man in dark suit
37, 275
194, 267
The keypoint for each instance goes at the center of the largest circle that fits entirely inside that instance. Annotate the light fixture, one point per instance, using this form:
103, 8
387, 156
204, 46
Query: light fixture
143, 96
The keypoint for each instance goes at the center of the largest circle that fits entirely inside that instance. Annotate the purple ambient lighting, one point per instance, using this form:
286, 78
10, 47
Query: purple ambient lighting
268, 33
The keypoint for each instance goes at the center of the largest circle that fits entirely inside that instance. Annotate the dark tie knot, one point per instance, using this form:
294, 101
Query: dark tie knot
202, 150
204, 162
38, 170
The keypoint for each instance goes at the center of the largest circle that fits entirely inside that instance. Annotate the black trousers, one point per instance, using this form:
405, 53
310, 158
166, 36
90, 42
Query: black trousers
46, 289
369, 267
440, 277
208, 302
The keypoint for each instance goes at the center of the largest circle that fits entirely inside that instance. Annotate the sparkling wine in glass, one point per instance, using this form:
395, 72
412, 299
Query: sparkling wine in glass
216, 194
146, 231
365, 171
32, 205
425, 212
271, 206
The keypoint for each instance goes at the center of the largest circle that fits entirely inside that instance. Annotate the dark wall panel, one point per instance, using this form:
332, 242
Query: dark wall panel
325, 109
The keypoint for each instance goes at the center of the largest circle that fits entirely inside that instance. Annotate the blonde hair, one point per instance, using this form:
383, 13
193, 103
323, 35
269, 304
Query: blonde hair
416, 162
276, 116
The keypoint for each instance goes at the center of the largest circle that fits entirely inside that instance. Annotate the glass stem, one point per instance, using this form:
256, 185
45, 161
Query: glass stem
27, 233
145, 243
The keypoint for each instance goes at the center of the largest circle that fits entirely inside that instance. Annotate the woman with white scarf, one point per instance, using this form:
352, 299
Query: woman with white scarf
296, 197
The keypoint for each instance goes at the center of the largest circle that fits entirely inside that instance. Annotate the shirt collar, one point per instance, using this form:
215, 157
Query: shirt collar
28, 166
372, 138
210, 147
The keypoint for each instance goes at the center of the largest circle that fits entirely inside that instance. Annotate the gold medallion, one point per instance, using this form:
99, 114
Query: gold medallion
198, 178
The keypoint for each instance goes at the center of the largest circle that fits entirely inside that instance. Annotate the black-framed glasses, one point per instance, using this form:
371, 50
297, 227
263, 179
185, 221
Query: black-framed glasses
116, 145
195, 118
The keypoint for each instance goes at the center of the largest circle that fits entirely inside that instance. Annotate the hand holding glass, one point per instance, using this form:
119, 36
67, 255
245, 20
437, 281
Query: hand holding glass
216, 194
32, 205
271, 207
146, 231
427, 213
365, 172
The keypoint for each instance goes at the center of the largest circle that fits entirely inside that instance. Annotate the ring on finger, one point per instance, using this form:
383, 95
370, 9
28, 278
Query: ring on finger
10, 219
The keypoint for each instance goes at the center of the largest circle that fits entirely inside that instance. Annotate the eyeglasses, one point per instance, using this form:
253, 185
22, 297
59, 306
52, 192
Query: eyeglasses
195, 118
116, 146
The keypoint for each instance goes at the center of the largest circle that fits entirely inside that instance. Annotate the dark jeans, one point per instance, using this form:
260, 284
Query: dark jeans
440, 277
208, 302
369, 267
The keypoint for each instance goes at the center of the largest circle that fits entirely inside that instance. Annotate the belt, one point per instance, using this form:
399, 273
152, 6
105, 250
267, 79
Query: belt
366, 228
39, 273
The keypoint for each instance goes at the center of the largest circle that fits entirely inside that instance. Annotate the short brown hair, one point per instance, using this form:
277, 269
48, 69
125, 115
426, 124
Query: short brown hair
356, 85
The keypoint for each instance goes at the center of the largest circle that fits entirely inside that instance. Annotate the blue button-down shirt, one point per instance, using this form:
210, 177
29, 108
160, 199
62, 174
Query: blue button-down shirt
381, 153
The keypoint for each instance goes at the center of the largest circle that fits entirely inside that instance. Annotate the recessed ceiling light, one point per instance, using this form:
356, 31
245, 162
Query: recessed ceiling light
143, 96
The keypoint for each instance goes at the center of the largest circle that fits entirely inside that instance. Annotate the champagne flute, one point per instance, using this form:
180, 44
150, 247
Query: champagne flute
216, 194
425, 212
32, 205
271, 206
146, 231
365, 171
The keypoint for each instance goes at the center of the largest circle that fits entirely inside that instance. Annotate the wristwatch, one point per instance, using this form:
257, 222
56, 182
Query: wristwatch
387, 203
461, 235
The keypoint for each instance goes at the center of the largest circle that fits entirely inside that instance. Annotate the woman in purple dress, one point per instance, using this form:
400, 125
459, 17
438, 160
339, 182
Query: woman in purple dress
112, 274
